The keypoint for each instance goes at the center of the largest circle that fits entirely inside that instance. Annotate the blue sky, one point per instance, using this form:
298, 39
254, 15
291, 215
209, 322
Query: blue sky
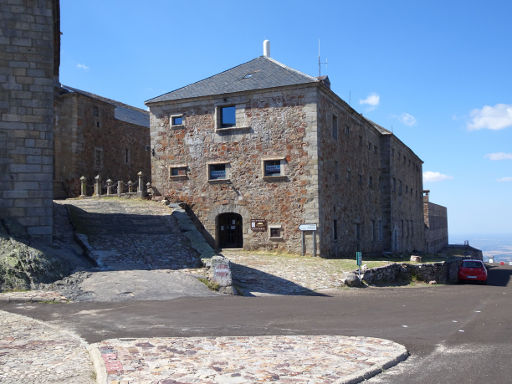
437, 73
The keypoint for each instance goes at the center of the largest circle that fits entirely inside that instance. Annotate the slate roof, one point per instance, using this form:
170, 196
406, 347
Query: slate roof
259, 73
379, 128
123, 112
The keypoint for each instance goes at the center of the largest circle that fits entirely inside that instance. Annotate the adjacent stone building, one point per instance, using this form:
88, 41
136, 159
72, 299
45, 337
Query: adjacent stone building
95, 135
29, 64
436, 225
261, 149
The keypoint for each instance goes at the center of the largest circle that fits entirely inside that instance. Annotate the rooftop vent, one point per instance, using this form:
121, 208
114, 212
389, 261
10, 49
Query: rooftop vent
266, 48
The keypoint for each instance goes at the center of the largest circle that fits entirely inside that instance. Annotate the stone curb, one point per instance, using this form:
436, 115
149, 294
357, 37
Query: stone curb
98, 363
368, 374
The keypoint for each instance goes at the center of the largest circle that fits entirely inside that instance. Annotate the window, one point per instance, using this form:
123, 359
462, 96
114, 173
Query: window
334, 127
360, 141
399, 187
127, 156
336, 171
335, 229
95, 111
392, 153
370, 182
98, 158
369, 146
360, 181
176, 120
227, 116
347, 130
217, 171
273, 168
178, 171
394, 184
275, 231
349, 174
374, 237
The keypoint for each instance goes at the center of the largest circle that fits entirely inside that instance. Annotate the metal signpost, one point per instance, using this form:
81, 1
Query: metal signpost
308, 228
359, 260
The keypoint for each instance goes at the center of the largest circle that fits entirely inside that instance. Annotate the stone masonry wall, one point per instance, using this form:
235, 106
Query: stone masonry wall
406, 191
349, 171
436, 227
26, 113
80, 135
278, 124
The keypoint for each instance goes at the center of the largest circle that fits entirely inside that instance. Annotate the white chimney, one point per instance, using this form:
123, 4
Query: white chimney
266, 48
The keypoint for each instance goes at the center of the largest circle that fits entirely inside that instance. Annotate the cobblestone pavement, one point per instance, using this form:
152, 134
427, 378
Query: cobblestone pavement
260, 274
262, 359
32, 352
132, 234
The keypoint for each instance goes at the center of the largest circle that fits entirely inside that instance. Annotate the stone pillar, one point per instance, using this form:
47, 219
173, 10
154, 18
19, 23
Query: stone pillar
83, 186
149, 190
130, 186
140, 189
97, 186
109, 187
119, 188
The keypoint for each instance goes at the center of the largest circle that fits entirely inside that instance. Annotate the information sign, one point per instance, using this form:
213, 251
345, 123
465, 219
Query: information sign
307, 227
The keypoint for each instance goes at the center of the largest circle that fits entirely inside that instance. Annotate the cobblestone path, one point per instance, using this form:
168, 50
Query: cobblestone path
132, 234
32, 352
245, 359
258, 274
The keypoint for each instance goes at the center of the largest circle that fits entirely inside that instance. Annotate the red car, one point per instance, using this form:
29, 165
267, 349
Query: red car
473, 270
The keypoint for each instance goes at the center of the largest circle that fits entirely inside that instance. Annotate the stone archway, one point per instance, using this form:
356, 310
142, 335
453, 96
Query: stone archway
216, 212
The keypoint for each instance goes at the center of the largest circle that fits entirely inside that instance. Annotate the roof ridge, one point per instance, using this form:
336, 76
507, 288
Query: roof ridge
290, 68
105, 99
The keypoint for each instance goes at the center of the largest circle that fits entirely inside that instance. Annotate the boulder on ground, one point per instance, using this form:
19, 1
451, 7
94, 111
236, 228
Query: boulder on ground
353, 280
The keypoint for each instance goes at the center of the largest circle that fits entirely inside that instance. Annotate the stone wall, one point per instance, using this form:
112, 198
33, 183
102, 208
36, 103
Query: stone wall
436, 226
28, 35
90, 140
349, 166
444, 272
269, 125
406, 224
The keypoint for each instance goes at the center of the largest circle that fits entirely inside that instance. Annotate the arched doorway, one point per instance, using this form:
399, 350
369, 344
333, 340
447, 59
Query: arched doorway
229, 230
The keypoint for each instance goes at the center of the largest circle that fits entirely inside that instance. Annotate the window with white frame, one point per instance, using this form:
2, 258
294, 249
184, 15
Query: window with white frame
178, 171
273, 168
275, 231
218, 171
177, 120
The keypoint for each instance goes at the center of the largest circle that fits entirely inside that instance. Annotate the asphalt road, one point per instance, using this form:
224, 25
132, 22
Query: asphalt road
460, 333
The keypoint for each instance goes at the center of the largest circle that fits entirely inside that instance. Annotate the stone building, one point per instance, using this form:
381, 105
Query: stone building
261, 149
29, 69
95, 135
436, 225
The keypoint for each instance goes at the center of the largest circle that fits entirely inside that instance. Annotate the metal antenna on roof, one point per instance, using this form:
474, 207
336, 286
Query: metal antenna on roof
320, 62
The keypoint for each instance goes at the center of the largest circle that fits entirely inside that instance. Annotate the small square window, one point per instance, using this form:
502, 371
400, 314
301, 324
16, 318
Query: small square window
227, 116
272, 168
217, 172
275, 231
177, 120
180, 171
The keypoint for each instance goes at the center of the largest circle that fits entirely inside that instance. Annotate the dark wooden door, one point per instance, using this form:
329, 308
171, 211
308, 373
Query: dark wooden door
229, 228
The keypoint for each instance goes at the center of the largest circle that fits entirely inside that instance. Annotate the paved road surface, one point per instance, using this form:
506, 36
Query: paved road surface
454, 333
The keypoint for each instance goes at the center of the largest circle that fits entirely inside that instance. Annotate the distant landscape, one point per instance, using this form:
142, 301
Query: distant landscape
497, 247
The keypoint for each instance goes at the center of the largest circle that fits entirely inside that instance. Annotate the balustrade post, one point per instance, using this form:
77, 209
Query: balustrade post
83, 186
130, 186
119, 188
109, 187
140, 186
97, 186
149, 190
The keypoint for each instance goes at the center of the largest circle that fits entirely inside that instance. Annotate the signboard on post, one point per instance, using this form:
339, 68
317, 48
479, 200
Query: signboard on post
307, 227
359, 258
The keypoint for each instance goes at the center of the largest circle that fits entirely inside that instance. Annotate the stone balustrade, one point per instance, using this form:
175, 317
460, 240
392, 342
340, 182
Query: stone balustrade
122, 189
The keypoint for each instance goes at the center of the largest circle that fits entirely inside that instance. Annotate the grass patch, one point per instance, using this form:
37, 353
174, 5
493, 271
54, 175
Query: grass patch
210, 284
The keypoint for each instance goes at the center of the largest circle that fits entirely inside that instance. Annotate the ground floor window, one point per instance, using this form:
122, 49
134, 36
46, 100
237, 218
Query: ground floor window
217, 171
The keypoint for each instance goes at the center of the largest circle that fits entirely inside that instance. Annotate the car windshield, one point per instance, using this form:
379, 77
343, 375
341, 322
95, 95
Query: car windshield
471, 264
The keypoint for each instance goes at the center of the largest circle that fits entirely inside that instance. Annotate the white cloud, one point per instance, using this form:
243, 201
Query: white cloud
432, 177
82, 66
494, 118
372, 100
504, 179
499, 156
407, 119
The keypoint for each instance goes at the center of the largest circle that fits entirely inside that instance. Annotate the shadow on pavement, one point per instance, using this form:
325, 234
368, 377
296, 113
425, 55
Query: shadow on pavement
252, 282
498, 276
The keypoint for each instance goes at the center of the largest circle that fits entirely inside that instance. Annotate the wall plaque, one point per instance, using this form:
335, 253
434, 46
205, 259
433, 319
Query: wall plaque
259, 225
